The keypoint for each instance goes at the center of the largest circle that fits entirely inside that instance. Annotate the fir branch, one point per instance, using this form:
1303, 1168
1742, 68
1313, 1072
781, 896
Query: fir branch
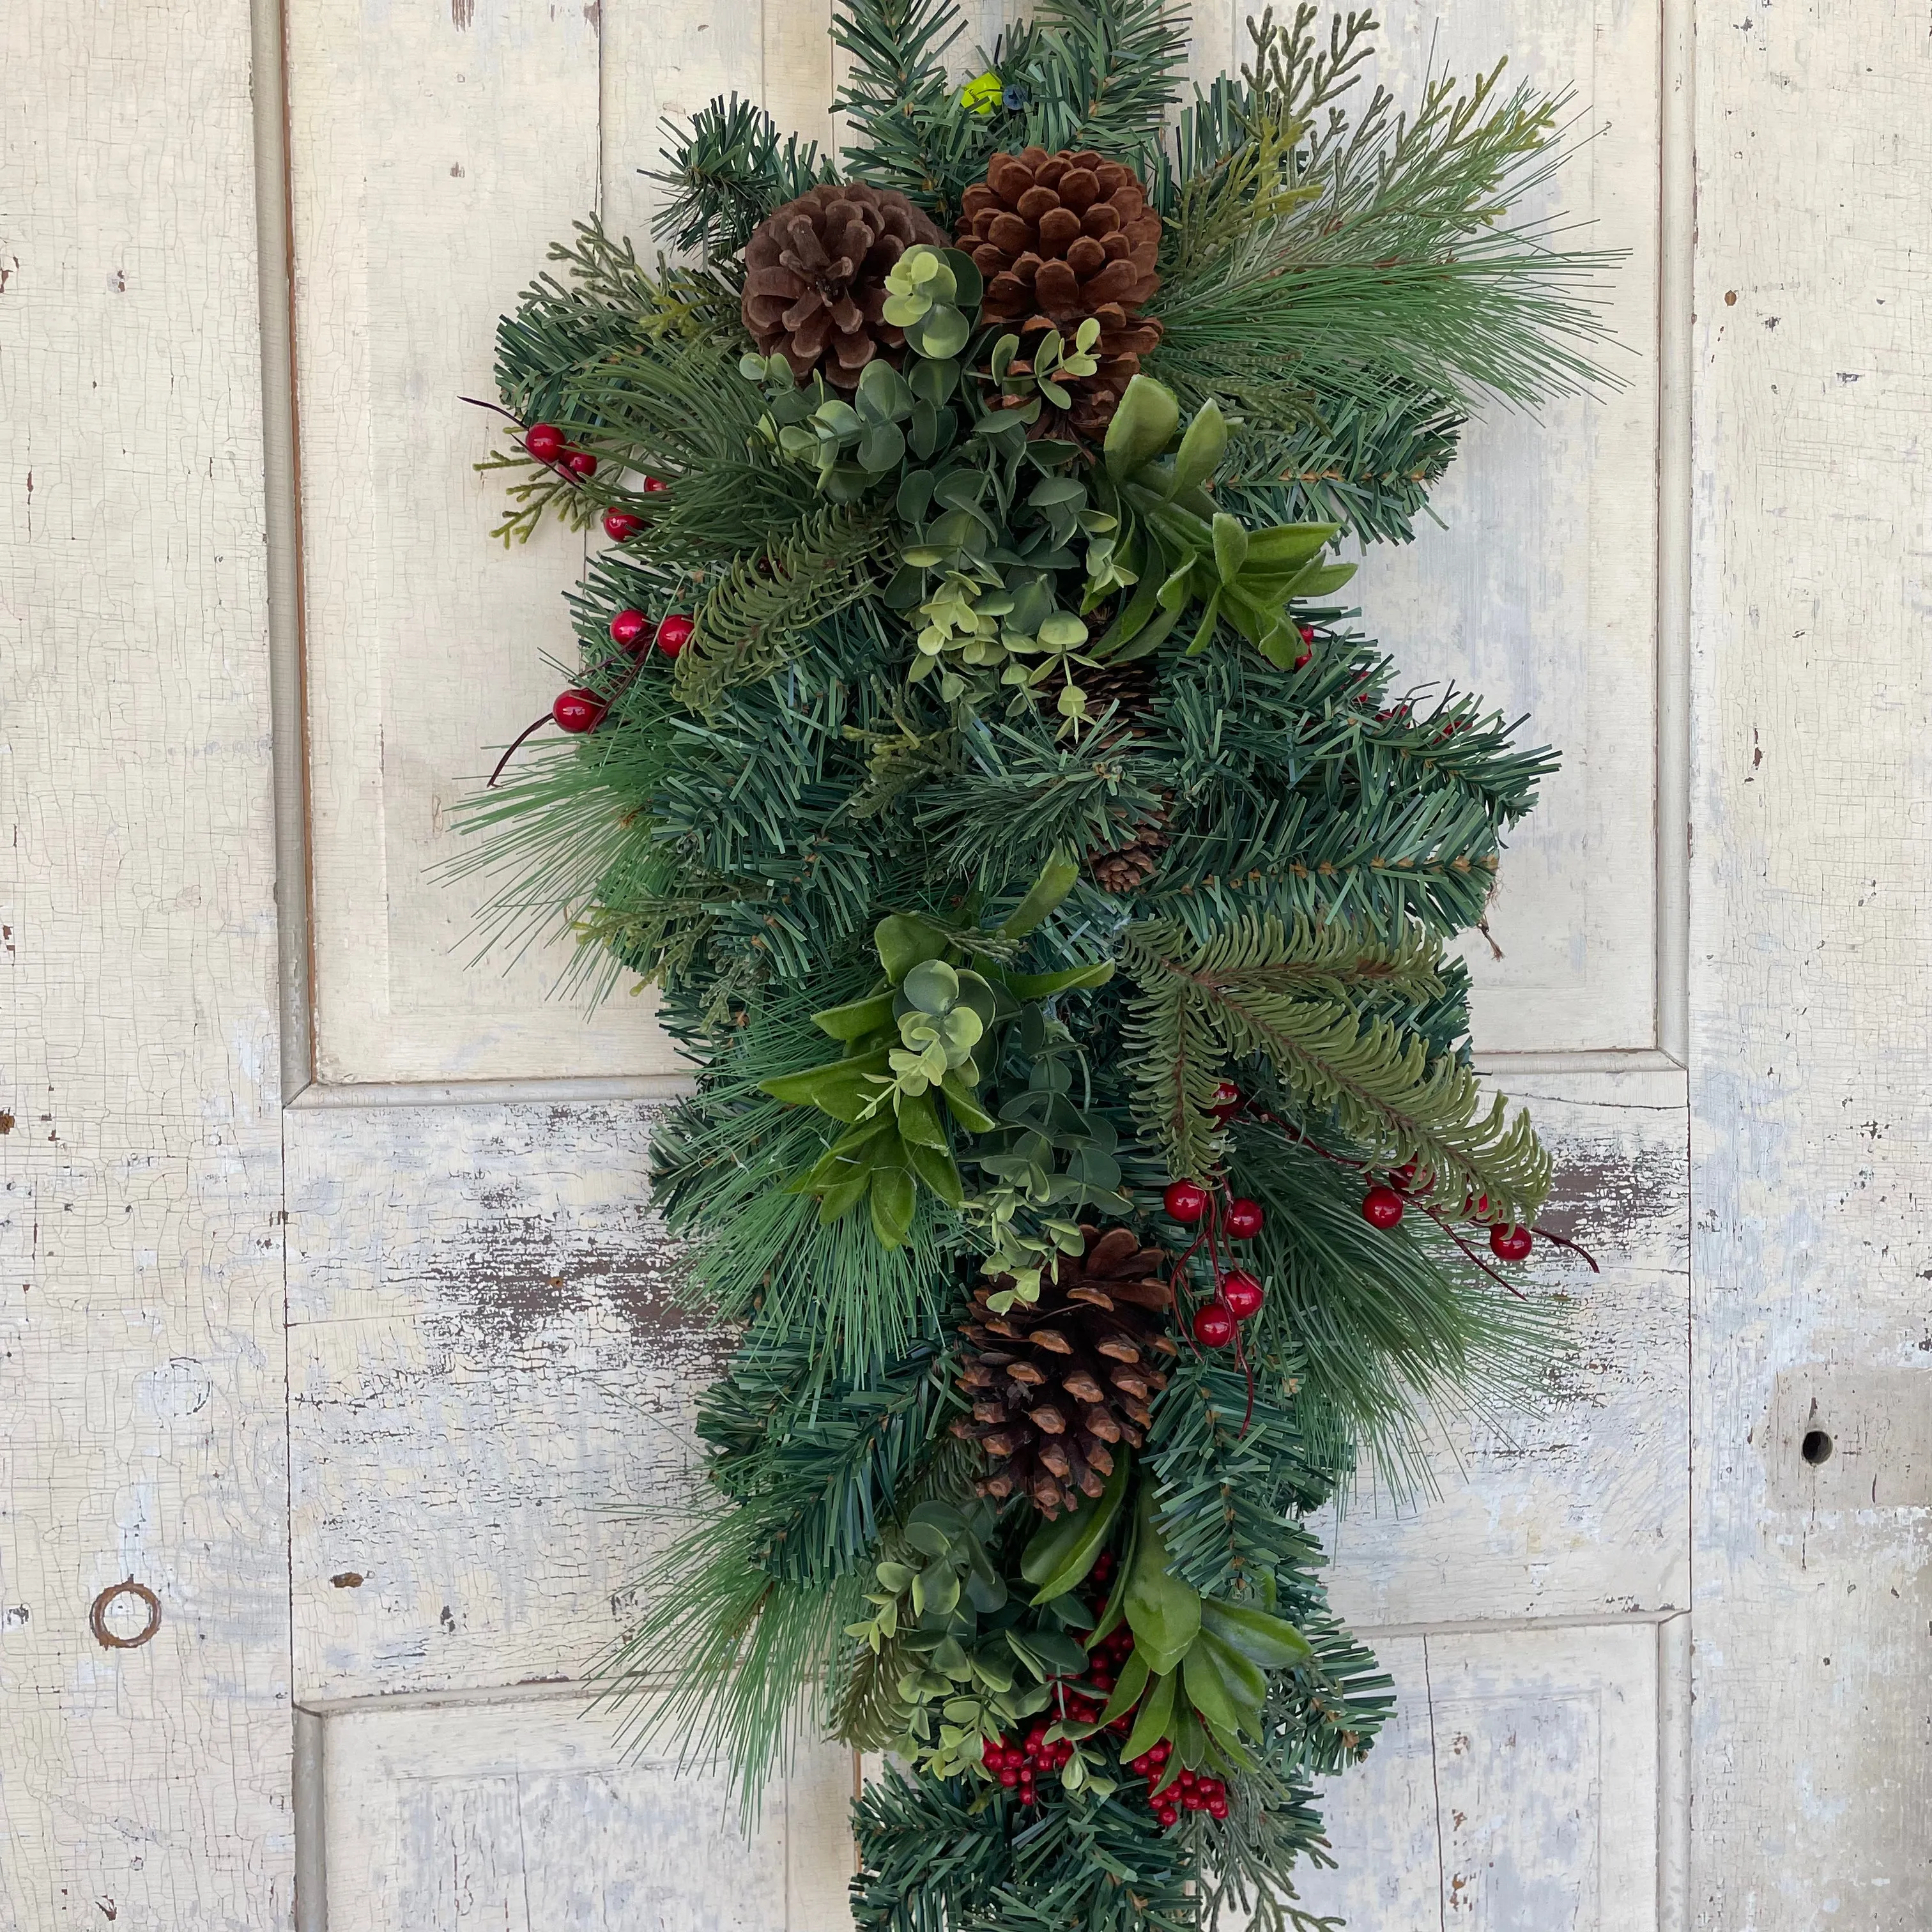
1101, 74
1384, 1090
728, 170
749, 622
906, 127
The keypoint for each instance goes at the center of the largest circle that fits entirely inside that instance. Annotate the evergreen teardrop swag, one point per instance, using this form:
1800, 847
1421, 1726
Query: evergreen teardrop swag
1053, 898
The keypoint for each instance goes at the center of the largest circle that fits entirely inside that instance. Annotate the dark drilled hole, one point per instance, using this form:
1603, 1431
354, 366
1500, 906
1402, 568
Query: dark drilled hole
1817, 1446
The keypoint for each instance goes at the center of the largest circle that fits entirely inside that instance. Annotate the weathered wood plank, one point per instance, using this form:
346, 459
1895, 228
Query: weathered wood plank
1810, 1013
140, 1354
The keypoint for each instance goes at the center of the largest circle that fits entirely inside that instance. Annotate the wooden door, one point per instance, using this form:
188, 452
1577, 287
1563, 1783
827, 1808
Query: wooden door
336, 1315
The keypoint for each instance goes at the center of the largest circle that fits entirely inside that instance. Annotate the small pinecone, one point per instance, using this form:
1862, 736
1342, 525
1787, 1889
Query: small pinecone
1060, 238
815, 277
1130, 867
1056, 1383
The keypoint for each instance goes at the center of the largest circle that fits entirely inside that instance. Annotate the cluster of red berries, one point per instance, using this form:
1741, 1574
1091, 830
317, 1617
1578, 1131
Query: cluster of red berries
578, 709
1238, 1295
1190, 1792
547, 443
1018, 1767
1382, 1208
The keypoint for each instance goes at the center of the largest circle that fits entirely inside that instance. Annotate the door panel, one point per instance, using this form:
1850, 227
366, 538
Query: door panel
1517, 1791
433, 162
525, 1815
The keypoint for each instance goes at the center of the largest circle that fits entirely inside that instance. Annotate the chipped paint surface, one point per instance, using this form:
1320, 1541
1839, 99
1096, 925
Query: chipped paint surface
1811, 1004
491, 1385
144, 1739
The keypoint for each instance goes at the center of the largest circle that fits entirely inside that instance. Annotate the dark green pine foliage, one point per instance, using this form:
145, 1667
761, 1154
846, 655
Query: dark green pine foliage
933, 741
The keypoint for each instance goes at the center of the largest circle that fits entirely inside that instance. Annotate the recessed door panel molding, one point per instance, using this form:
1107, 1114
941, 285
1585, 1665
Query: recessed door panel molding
528, 1814
432, 164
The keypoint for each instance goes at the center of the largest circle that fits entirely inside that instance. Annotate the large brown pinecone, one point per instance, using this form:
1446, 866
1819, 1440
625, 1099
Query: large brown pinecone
1060, 238
815, 277
1055, 1384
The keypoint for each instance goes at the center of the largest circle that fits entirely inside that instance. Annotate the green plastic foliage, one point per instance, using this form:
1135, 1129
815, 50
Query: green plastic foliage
1163, 1612
1062, 1553
1143, 426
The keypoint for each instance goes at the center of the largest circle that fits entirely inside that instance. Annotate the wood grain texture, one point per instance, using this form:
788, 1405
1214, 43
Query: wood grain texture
140, 1351
1811, 1017
523, 1815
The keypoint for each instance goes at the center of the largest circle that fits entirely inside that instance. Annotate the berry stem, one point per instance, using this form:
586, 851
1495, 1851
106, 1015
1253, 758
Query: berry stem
537, 725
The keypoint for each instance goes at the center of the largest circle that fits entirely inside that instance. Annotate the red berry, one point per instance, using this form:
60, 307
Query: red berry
576, 710
1215, 1326
627, 628
1226, 1102
545, 441
673, 633
1243, 1219
1510, 1244
1185, 1200
1010, 1778
653, 485
1029, 1796
1243, 1294
1103, 1680
580, 462
1185, 1780
1382, 1208
1217, 1808
1159, 1752
1307, 631
620, 526
1168, 1815
1477, 1209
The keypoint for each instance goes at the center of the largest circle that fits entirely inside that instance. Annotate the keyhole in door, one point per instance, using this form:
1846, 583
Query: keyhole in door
1817, 1446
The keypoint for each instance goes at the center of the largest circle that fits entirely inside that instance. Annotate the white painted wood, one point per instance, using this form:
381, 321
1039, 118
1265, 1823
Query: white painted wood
140, 1355
1540, 590
1516, 1790
524, 1814
491, 1392
1579, 1506
1813, 1612
435, 156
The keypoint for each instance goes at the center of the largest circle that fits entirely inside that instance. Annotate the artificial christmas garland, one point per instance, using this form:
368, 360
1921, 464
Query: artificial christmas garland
1053, 897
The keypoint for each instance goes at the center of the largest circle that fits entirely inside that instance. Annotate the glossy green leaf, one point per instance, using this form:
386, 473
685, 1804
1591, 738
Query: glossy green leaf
841, 1088
1132, 1680
1163, 1612
1246, 1682
1270, 1641
1157, 1712
1061, 1553
1208, 1691
855, 1018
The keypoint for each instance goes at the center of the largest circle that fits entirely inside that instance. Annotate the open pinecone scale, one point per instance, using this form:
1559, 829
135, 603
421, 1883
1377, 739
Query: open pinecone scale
1055, 1384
